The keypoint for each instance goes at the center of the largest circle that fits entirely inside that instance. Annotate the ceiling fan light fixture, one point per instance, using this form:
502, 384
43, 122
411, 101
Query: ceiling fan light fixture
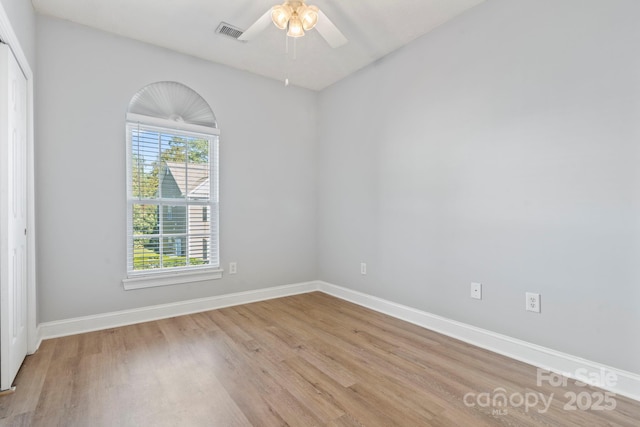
308, 16
295, 27
280, 15
295, 17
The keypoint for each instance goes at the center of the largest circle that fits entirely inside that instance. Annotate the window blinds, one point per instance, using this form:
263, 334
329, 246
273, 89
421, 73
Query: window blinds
172, 179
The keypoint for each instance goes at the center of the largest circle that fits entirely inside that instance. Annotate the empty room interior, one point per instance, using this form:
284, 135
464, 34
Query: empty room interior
320, 212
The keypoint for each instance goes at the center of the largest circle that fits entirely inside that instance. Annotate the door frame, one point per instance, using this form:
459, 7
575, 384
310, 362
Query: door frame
8, 35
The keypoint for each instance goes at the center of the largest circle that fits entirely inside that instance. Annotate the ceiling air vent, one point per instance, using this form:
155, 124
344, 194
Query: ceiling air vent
229, 30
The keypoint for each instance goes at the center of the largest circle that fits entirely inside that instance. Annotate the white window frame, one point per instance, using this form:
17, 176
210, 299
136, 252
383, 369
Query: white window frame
137, 279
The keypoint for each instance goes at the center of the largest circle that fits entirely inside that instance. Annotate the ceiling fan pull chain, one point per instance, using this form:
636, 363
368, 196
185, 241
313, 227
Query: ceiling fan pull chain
295, 43
286, 59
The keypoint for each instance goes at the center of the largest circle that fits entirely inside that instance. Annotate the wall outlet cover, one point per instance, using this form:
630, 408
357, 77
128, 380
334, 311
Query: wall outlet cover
476, 290
533, 302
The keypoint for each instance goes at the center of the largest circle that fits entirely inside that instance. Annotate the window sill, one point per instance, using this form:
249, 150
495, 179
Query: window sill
167, 279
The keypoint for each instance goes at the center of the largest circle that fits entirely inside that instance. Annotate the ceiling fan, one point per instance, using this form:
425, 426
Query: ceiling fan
296, 17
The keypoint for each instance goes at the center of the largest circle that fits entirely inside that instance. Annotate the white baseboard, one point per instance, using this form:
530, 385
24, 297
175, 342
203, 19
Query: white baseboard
626, 384
79, 325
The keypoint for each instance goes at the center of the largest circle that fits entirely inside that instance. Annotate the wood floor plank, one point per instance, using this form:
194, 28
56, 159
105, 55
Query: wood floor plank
351, 403
31, 377
303, 360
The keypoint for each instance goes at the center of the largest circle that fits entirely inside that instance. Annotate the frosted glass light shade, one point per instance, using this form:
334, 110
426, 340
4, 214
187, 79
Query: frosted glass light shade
295, 27
280, 15
309, 17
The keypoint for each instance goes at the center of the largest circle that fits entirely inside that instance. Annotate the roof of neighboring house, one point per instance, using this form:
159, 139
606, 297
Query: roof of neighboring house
195, 183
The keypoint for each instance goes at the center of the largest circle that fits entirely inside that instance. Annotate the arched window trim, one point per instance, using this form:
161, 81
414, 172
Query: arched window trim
181, 110
173, 101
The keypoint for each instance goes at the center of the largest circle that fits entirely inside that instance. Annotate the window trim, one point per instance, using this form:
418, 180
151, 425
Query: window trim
170, 124
166, 278
177, 275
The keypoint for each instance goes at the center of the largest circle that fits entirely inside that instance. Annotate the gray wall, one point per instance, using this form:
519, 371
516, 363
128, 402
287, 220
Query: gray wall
502, 148
23, 22
268, 209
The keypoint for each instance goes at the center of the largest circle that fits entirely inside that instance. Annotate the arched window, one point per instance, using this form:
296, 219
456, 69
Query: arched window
172, 178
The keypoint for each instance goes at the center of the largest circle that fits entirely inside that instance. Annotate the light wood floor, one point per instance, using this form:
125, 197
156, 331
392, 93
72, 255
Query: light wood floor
304, 360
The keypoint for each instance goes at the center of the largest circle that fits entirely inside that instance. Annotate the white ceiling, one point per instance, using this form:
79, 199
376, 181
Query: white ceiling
374, 28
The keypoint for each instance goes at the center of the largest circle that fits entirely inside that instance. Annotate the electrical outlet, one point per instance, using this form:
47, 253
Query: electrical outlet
233, 268
476, 290
363, 268
533, 302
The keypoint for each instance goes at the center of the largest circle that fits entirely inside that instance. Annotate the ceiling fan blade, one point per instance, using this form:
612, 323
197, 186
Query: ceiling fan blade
257, 27
329, 32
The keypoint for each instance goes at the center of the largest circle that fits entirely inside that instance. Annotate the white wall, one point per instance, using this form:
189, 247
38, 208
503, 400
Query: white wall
84, 82
502, 148
23, 22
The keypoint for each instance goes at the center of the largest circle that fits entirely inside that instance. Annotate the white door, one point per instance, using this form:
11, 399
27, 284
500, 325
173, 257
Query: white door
13, 217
